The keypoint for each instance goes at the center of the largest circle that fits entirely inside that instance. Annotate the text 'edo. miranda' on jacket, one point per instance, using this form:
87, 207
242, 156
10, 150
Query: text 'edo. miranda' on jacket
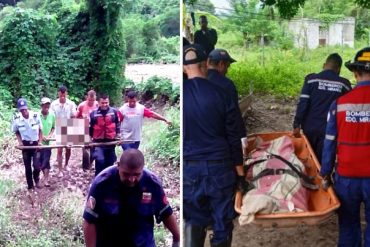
348, 134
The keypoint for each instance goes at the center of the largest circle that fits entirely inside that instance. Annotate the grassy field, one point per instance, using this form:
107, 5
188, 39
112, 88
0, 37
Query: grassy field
276, 71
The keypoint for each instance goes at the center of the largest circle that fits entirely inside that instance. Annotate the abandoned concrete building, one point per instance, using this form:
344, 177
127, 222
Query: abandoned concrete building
313, 33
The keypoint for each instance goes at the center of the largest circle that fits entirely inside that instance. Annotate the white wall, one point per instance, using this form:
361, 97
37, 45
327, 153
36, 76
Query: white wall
306, 32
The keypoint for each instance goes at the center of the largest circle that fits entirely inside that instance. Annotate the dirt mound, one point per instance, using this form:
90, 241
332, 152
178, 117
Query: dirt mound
269, 114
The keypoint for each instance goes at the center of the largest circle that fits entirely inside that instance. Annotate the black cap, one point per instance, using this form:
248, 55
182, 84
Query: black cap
200, 54
361, 61
62, 89
220, 55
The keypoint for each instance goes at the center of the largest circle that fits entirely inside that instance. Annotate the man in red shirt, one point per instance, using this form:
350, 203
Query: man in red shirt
89, 105
84, 110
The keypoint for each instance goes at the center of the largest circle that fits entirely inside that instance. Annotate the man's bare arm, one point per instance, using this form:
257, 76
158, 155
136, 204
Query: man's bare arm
171, 224
90, 234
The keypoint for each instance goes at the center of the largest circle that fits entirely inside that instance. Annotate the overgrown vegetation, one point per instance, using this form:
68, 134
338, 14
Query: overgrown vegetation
164, 141
280, 72
258, 38
49, 231
81, 44
158, 88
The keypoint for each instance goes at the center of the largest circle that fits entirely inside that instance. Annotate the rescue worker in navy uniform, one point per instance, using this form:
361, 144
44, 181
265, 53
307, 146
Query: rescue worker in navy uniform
206, 37
218, 63
212, 154
318, 92
27, 127
104, 127
121, 204
347, 140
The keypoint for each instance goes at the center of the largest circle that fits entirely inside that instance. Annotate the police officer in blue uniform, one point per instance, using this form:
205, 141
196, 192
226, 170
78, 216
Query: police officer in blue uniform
318, 92
121, 204
27, 127
212, 154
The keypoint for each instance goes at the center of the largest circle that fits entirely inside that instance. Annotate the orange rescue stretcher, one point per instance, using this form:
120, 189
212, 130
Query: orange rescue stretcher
322, 204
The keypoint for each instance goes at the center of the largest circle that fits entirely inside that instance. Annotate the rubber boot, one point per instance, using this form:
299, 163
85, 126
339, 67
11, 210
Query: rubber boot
226, 243
194, 236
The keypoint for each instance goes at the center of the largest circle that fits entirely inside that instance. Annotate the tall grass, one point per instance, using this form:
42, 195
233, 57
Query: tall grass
280, 72
59, 225
162, 141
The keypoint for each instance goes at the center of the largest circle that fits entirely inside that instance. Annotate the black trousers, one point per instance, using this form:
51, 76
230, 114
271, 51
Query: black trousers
31, 158
317, 142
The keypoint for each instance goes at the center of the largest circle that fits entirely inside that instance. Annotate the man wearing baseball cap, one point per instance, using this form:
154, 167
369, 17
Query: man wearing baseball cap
347, 150
48, 127
212, 154
218, 63
27, 128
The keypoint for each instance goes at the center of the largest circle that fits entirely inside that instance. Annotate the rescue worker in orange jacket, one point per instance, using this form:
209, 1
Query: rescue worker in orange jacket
347, 143
104, 127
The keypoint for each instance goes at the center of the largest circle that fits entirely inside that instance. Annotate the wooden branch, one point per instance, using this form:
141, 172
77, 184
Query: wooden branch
88, 145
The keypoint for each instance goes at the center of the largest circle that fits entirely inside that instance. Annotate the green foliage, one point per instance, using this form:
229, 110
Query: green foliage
247, 24
163, 141
158, 87
82, 44
27, 49
206, 6
363, 3
49, 231
283, 72
148, 27
108, 47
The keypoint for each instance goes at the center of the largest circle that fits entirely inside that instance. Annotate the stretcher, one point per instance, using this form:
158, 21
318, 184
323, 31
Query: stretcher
86, 149
87, 145
321, 204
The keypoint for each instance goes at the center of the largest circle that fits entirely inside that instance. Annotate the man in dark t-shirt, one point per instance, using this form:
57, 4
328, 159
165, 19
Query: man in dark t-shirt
206, 37
121, 204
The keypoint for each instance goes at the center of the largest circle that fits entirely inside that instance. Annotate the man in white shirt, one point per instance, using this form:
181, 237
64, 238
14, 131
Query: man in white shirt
63, 108
133, 114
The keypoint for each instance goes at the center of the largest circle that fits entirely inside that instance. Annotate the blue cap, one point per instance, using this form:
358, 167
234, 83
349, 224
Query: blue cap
220, 55
22, 104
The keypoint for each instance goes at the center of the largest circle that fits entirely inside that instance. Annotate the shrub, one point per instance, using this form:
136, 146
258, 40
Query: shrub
163, 141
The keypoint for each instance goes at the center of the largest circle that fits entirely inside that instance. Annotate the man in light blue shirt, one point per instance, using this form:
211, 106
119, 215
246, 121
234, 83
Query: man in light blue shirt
27, 127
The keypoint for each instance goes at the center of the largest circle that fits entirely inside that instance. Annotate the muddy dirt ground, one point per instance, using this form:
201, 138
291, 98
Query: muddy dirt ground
269, 114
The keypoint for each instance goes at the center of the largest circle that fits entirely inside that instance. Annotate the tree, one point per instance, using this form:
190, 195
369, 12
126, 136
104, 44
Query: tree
289, 8
256, 24
206, 6
108, 46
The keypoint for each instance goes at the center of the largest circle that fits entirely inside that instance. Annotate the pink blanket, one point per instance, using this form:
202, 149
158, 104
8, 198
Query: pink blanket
274, 193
